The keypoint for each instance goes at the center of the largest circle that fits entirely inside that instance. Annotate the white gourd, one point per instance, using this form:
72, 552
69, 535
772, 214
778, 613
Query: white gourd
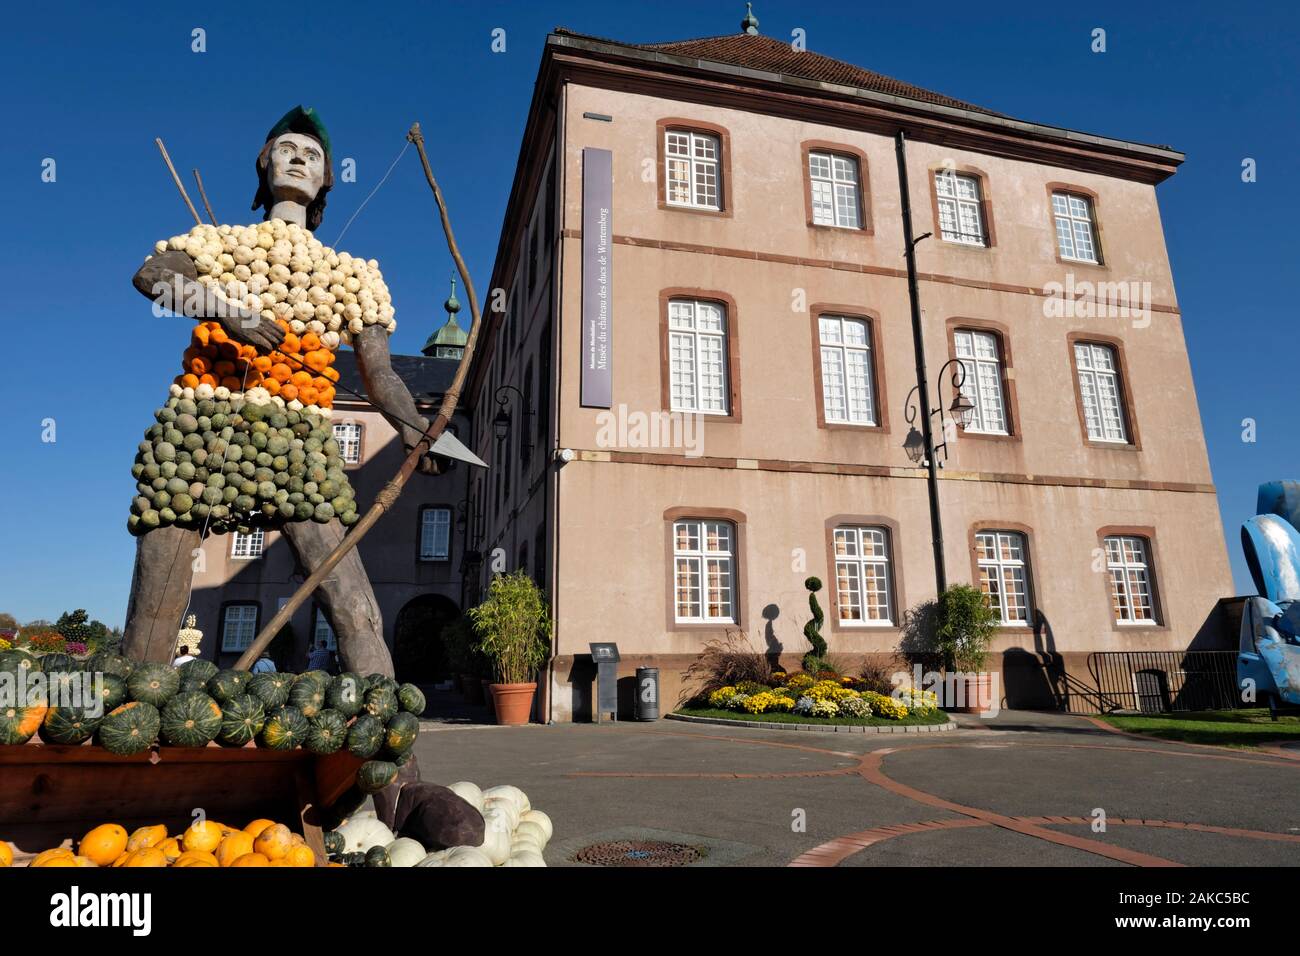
364, 833
468, 792
469, 856
507, 792
496, 845
405, 852
435, 859
504, 808
297, 261
525, 858
527, 829
541, 819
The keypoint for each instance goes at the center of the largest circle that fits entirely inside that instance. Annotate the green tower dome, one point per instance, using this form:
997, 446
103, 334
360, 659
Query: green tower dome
449, 341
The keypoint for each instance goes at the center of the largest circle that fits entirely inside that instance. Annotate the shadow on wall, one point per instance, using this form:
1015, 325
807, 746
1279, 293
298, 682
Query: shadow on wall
774, 646
1036, 680
1041, 680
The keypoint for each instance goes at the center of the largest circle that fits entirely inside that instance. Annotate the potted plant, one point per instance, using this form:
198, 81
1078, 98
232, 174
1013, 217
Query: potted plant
964, 627
513, 626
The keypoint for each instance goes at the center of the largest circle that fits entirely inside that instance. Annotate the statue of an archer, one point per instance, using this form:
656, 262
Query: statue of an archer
223, 425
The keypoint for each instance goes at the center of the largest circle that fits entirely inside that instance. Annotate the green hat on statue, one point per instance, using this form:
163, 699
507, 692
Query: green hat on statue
303, 119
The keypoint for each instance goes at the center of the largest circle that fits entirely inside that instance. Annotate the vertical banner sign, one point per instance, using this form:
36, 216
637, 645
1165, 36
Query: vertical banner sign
597, 275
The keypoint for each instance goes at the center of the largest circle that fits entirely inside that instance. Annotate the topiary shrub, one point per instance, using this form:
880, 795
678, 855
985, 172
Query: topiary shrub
814, 660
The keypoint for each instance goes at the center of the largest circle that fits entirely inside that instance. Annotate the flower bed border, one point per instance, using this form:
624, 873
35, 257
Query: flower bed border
818, 728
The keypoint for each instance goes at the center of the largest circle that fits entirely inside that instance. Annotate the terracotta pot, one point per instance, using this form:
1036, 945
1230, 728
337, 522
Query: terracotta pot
513, 702
977, 694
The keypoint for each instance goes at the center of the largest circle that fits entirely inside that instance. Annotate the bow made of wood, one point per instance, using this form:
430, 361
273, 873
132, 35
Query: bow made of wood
386, 498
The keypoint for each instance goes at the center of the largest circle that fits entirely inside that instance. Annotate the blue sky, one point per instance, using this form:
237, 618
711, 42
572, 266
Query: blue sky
91, 84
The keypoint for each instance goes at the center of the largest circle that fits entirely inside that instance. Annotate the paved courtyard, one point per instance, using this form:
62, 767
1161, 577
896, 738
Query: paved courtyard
1022, 789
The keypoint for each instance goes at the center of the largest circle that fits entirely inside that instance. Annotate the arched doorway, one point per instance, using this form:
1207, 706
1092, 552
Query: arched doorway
419, 655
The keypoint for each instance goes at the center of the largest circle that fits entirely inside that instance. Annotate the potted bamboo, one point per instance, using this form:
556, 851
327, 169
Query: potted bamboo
964, 627
513, 626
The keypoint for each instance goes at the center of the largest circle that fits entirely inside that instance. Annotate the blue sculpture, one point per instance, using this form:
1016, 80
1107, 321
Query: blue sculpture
1269, 654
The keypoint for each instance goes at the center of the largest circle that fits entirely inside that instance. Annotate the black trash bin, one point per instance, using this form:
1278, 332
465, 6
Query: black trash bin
647, 693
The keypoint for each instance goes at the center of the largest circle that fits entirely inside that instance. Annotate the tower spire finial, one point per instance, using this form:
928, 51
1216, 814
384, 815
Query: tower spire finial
452, 305
750, 23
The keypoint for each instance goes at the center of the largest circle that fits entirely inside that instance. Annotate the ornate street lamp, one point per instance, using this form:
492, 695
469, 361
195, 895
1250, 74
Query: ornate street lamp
962, 411
501, 421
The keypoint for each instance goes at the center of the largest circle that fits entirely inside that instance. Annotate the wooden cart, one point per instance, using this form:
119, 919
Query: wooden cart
51, 795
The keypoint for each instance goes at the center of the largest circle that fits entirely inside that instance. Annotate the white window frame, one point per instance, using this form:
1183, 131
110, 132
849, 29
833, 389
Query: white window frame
835, 185
972, 348
687, 341
238, 627
430, 525
1076, 230
321, 628
837, 356
704, 568
1100, 391
247, 547
693, 179
1128, 563
965, 212
348, 436
1011, 574
863, 576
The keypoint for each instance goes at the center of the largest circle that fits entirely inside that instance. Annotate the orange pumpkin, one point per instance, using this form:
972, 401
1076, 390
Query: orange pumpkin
273, 842
232, 383
202, 835
301, 378
208, 379
255, 828
218, 334
291, 343
288, 391
147, 837
171, 848
281, 372
32, 720
233, 845
300, 856
307, 395
59, 852
193, 857
262, 363
251, 859
104, 844
6, 854
149, 856
272, 386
